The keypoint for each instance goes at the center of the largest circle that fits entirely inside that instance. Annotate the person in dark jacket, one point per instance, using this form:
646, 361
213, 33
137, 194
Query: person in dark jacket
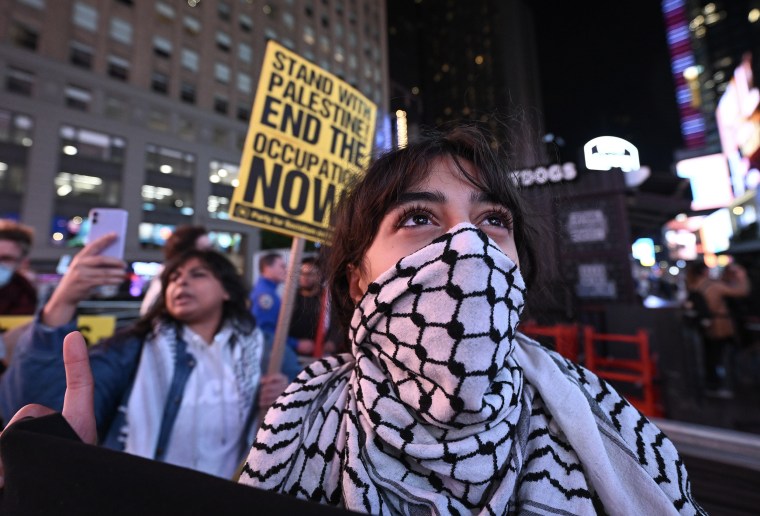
17, 294
183, 385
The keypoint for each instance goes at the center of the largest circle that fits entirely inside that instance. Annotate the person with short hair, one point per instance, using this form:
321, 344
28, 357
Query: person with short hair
311, 312
265, 300
17, 294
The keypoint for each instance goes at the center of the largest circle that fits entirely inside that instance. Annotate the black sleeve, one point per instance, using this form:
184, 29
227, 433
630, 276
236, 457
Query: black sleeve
48, 470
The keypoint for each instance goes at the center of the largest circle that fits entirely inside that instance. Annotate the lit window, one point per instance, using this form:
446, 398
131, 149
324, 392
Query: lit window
222, 72
162, 47
85, 16
165, 10
218, 207
93, 144
224, 173
161, 198
118, 68
308, 35
244, 82
78, 98
163, 161
339, 55
90, 189
244, 52
15, 128
121, 31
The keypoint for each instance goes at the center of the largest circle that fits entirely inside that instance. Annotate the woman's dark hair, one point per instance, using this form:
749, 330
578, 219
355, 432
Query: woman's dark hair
694, 272
234, 309
182, 239
358, 215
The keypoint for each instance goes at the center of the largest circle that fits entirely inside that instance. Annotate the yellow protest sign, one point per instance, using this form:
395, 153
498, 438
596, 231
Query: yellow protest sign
92, 327
309, 133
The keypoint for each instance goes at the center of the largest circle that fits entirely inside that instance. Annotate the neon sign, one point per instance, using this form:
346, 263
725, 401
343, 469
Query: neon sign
606, 152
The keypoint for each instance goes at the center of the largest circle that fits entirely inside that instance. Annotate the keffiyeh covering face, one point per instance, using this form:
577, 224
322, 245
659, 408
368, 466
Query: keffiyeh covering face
434, 412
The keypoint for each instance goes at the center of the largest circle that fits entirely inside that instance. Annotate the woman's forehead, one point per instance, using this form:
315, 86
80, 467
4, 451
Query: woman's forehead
192, 263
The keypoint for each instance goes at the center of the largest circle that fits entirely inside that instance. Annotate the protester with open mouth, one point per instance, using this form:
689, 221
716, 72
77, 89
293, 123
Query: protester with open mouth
182, 385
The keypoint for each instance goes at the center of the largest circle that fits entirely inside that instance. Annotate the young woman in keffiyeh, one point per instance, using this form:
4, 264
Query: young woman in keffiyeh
441, 406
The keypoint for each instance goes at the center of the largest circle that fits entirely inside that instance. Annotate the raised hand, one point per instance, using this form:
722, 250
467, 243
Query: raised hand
270, 388
78, 407
87, 270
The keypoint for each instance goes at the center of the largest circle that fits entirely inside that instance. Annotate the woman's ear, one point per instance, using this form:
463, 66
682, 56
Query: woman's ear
354, 283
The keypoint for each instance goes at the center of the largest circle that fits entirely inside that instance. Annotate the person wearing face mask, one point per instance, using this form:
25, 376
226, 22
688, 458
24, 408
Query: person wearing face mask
17, 294
440, 405
183, 385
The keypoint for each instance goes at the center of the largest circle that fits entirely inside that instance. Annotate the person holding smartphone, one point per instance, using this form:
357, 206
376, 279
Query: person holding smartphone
182, 385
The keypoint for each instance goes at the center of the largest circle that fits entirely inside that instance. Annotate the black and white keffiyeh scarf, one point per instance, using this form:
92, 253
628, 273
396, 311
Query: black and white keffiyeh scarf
443, 408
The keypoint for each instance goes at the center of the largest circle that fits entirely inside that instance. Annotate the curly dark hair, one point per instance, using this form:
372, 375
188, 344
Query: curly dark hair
234, 309
360, 211
182, 239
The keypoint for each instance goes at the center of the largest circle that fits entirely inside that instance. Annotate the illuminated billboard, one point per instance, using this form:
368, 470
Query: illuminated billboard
710, 181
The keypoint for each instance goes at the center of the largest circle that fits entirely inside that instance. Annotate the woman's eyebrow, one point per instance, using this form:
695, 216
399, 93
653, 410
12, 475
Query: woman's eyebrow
409, 197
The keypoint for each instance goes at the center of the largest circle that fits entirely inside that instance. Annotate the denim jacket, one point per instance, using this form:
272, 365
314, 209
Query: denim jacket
37, 375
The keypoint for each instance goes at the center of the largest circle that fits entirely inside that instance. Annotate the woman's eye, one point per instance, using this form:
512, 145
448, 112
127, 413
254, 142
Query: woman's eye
503, 220
416, 219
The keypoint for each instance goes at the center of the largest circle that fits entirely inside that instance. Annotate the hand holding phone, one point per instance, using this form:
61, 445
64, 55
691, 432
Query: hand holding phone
109, 220
98, 264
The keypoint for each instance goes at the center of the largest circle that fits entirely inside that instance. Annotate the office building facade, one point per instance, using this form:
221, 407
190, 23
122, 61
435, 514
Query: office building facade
144, 105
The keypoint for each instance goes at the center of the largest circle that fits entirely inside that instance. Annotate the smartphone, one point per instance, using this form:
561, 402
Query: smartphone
109, 220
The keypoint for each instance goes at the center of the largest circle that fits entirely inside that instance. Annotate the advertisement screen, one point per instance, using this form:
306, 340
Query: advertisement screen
710, 181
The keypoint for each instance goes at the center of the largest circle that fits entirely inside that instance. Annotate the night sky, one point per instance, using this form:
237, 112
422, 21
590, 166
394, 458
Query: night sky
605, 69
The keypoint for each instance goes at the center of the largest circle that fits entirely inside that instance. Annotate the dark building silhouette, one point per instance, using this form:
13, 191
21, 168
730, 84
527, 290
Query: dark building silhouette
452, 60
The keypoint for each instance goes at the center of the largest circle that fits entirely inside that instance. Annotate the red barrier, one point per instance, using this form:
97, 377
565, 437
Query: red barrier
639, 370
565, 337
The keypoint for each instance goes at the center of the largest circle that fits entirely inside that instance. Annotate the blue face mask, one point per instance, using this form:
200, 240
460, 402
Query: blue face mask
6, 273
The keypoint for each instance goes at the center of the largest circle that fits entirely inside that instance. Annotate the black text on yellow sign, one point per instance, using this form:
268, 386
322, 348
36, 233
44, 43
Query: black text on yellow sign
309, 134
